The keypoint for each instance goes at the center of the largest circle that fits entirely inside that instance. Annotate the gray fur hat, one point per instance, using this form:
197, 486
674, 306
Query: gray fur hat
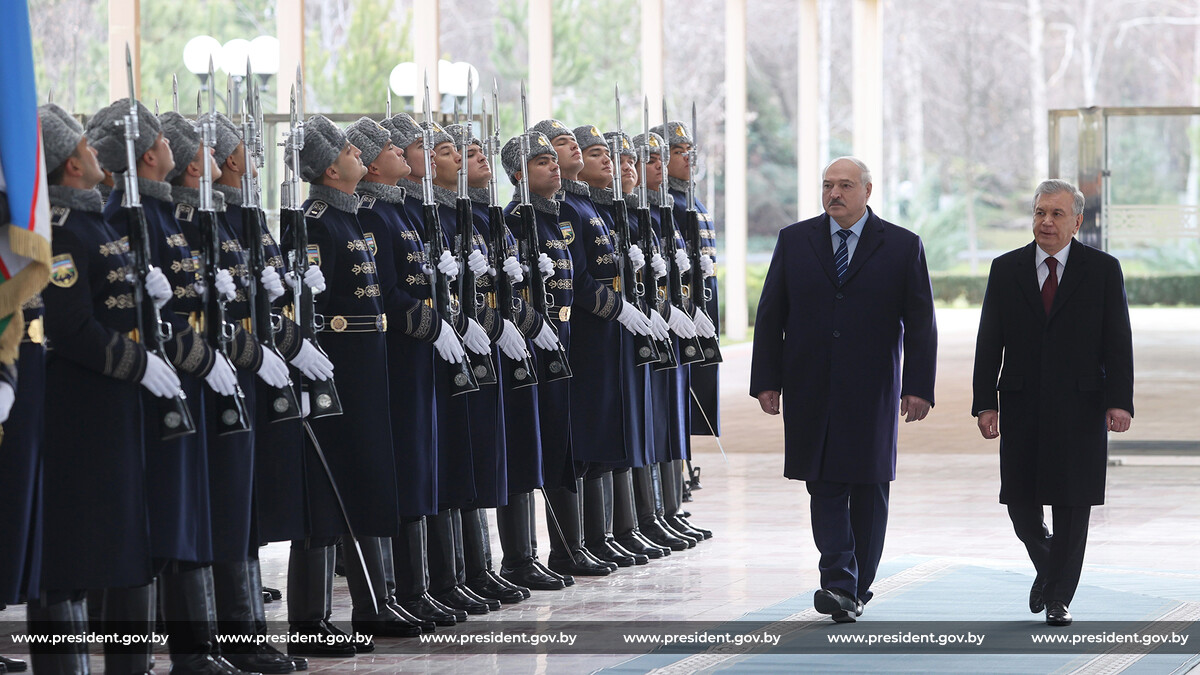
552, 128
457, 131
404, 129
587, 136
656, 143
510, 155
323, 142
228, 137
677, 133
624, 145
439, 134
184, 139
368, 136
60, 135
108, 137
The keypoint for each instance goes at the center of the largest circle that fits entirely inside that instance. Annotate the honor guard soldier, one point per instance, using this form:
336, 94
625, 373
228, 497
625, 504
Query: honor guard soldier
356, 445
705, 381
522, 442
95, 534
540, 176
669, 387
479, 413
278, 444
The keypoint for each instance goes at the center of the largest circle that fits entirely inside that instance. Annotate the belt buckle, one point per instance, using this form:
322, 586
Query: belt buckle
381, 323
36, 331
338, 324
564, 314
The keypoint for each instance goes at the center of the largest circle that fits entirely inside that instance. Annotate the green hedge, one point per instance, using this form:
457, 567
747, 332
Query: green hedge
967, 290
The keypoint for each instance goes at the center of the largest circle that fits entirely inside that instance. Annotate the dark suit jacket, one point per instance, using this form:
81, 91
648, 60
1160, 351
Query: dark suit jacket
1060, 374
834, 349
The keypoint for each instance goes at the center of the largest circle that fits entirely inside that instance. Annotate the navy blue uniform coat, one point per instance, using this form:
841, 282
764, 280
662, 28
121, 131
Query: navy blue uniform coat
834, 349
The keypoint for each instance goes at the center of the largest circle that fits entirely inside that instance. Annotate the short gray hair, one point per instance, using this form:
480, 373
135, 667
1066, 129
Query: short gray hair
866, 173
1055, 186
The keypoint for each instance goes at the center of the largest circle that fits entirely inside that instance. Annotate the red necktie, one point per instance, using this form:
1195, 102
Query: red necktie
1051, 285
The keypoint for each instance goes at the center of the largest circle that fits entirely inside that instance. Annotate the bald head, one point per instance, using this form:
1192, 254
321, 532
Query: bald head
845, 189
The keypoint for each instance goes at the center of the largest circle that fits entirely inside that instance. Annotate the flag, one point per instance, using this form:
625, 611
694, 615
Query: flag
25, 229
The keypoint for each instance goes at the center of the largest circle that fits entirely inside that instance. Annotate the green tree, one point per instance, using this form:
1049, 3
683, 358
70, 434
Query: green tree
348, 63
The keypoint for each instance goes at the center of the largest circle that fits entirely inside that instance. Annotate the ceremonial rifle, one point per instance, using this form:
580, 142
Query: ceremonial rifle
666, 350
699, 290
690, 349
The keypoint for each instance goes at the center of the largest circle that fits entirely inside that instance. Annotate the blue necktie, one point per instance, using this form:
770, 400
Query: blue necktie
841, 259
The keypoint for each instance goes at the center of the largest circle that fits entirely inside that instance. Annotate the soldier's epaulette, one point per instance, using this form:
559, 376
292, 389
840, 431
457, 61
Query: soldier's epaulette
316, 209
184, 212
58, 214
366, 202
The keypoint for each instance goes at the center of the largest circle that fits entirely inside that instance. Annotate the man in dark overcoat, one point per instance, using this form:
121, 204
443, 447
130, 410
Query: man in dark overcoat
846, 294
1055, 354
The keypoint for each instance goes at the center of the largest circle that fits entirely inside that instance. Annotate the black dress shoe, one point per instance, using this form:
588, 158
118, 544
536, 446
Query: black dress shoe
486, 587
606, 551
322, 646
566, 579
258, 659
637, 534
685, 519
1036, 601
579, 566
454, 598
492, 603
637, 547
529, 576
837, 604
596, 560
426, 625
691, 539
1057, 614
525, 594
458, 614
660, 536
638, 558
423, 608
13, 665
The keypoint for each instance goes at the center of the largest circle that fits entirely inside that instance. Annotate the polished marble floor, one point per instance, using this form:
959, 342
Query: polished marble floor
943, 504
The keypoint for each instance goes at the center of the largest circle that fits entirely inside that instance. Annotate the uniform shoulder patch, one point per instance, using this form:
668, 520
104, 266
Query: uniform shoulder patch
184, 212
316, 209
369, 237
58, 214
366, 202
314, 255
568, 231
62, 271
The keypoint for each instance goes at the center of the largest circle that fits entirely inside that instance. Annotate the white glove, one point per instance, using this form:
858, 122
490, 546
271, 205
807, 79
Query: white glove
448, 346
225, 285
221, 378
658, 266
311, 362
633, 320
546, 265
158, 288
680, 324
707, 266
704, 325
271, 283
478, 263
476, 339
636, 257
681, 261
314, 278
511, 342
273, 370
159, 379
305, 404
658, 326
546, 339
448, 266
8, 396
513, 269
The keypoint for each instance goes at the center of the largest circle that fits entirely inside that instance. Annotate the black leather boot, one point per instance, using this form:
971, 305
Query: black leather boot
648, 523
673, 482
236, 596
57, 613
370, 613
410, 562
477, 558
190, 607
660, 488
490, 570
625, 523
517, 566
443, 579
566, 536
598, 522
310, 581
460, 559
128, 611
254, 574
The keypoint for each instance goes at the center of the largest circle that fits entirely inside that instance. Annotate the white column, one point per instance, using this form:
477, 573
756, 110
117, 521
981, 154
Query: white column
736, 310
653, 66
808, 156
541, 60
426, 32
868, 88
124, 28
289, 30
